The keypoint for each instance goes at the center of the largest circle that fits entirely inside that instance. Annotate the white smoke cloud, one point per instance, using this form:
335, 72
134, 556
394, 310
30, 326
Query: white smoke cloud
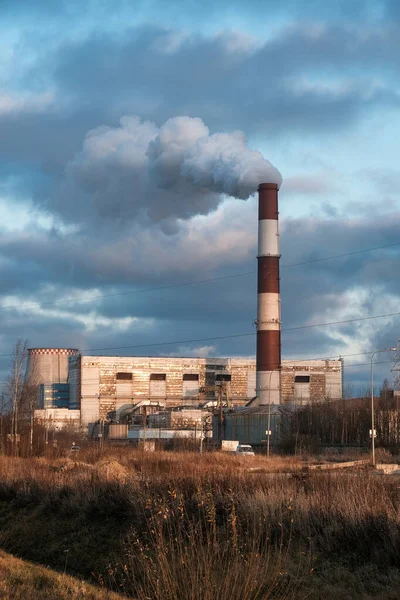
221, 162
142, 172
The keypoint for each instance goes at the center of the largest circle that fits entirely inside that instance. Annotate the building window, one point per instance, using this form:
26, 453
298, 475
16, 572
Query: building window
124, 376
190, 384
302, 389
158, 385
158, 376
223, 377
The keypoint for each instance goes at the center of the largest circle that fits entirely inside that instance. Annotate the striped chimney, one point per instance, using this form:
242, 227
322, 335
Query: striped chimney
268, 379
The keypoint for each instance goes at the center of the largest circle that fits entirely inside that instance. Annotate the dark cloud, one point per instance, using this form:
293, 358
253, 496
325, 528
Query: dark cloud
45, 140
327, 67
228, 80
151, 68
316, 292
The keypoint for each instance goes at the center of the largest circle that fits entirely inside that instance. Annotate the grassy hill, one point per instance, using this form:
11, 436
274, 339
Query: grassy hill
20, 579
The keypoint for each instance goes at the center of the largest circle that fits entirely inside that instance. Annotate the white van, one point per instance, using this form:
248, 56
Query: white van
245, 450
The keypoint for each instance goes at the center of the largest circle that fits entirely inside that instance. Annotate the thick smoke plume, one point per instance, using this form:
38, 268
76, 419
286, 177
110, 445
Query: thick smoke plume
221, 162
142, 172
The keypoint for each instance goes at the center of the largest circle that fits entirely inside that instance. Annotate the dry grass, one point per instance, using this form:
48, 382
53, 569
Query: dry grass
20, 580
182, 525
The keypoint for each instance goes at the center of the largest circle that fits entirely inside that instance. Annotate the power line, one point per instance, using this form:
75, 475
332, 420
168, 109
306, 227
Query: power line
334, 357
224, 337
337, 356
188, 283
309, 262
378, 362
342, 322
240, 335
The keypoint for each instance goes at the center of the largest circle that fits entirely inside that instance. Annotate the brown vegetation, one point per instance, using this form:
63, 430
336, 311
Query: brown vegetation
21, 579
184, 525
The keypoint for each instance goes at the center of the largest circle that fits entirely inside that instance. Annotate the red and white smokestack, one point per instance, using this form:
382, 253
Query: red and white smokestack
268, 378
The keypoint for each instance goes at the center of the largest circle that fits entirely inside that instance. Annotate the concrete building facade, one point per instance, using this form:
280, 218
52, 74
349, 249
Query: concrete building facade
102, 387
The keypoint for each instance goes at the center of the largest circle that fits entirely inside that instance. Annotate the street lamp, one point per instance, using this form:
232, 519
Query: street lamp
372, 401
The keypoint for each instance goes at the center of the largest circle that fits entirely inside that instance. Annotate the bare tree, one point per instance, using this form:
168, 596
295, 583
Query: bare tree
348, 390
386, 391
15, 389
30, 398
4, 415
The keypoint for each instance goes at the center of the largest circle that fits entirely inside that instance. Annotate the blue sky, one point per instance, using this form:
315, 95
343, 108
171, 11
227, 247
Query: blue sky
313, 85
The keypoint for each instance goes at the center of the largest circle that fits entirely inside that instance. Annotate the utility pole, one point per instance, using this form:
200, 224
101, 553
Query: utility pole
46, 429
145, 427
31, 421
101, 428
220, 412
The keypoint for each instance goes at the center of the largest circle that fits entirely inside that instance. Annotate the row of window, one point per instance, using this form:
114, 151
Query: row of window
163, 377
195, 377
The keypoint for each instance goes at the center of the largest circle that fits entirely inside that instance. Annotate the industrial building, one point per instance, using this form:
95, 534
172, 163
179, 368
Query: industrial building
129, 389
48, 369
110, 388
106, 386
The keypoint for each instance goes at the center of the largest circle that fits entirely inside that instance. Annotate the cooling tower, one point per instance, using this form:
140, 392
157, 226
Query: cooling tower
268, 363
48, 365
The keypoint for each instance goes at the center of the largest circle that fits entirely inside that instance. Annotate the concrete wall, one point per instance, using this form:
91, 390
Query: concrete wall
48, 365
103, 391
325, 380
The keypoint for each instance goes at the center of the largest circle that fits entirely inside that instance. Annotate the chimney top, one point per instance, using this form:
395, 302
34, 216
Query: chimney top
268, 186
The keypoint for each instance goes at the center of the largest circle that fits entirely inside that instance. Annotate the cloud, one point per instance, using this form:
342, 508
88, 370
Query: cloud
192, 10
141, 203
275, 79
220, 244
134, 254
268, 87
385, 180
326, 291
176, 171
12, 104
316, 184
199, 351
